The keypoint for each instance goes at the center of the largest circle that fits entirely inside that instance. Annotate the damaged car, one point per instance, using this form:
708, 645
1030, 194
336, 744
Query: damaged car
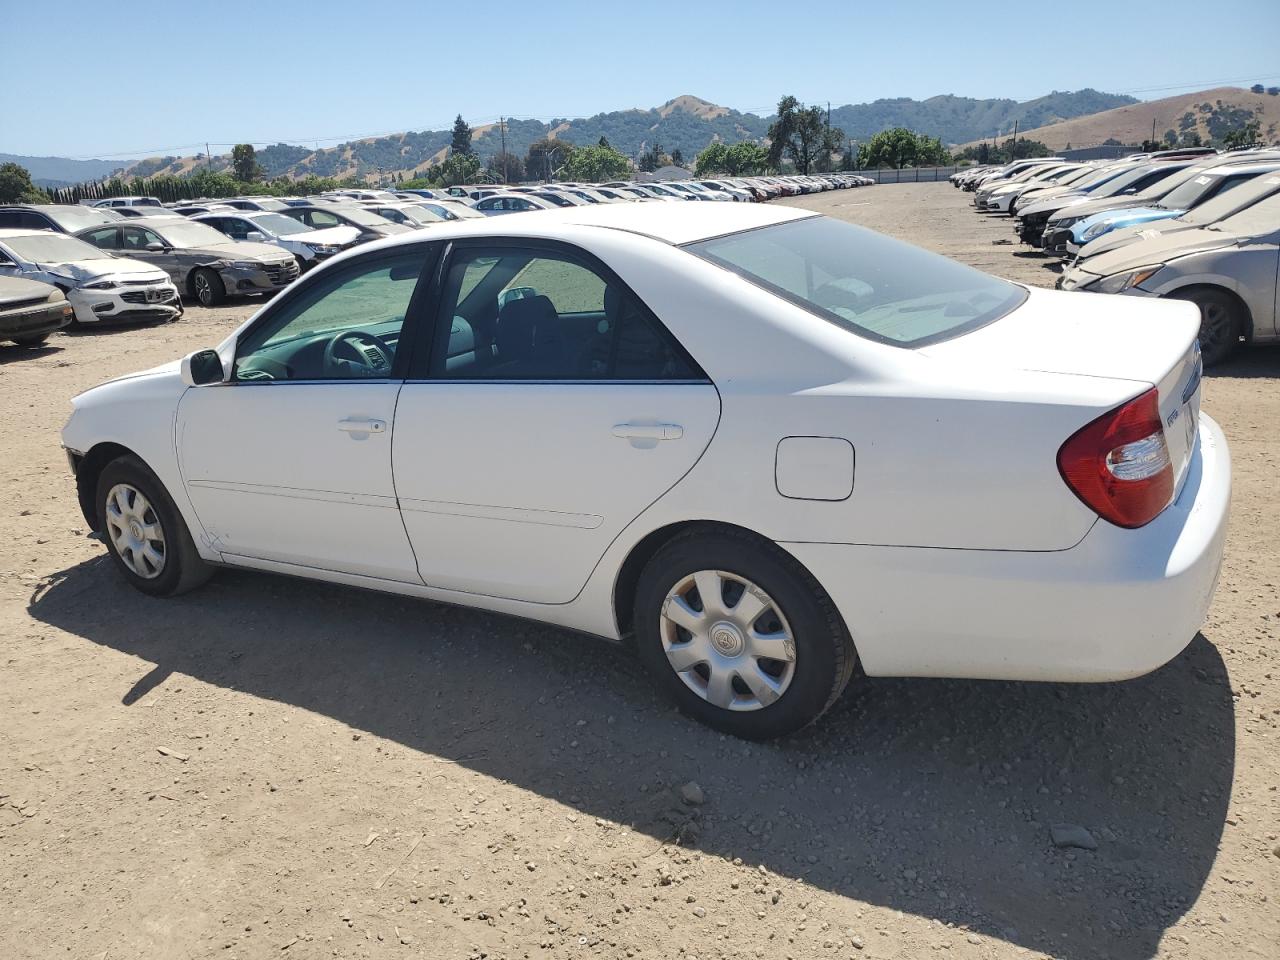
204, 264
100, 287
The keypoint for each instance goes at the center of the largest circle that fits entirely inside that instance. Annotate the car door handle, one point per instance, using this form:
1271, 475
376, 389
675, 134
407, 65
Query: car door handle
648, 431
362, 425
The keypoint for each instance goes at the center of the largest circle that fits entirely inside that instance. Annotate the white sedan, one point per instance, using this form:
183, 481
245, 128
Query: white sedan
761, 445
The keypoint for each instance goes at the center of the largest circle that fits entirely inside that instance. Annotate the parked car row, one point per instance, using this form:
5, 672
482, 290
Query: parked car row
135, 259
1194, 225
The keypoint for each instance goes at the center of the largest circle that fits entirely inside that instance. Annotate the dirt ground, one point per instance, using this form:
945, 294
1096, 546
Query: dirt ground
274, 768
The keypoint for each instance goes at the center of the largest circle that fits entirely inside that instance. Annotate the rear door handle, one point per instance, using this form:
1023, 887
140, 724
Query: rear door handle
648, 431
362, 425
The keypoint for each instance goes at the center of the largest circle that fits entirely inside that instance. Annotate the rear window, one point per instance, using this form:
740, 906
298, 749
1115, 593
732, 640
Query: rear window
863, 281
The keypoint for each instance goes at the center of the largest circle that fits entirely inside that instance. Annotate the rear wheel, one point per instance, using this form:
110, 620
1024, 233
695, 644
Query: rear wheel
145, 533
740, 635
1220, 323
208, 287
31, 341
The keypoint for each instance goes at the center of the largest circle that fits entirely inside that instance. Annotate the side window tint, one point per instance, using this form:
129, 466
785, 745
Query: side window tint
104, 238
345, 325
531, 315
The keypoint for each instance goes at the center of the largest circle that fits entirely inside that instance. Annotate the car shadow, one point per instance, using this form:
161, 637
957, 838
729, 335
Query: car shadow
1246, 363
14, 353
925, 796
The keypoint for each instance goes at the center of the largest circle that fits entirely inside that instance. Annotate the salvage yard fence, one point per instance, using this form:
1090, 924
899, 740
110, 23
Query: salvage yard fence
906, 174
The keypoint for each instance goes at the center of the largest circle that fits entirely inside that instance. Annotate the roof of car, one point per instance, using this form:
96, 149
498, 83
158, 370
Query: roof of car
7, 232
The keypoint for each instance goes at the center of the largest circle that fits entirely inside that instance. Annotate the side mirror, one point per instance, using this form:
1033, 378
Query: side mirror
256, 236
202, 367
155, 247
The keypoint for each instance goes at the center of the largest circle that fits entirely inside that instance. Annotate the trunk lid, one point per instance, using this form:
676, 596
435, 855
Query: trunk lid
1149, 342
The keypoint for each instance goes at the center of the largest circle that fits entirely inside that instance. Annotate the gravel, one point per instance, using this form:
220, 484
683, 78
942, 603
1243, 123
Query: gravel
448, 732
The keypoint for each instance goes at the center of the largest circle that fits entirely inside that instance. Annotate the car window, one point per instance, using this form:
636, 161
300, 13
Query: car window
343, 325
531, 314
321, 219
864, 281
235, 227
107, 238
137, 238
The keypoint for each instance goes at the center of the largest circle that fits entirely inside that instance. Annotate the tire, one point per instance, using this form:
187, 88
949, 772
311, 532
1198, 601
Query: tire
179, 568
783, 696
31, 341
1220, 323
208, 287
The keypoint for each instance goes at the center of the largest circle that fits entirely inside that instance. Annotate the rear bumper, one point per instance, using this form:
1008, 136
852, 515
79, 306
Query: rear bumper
1117, 605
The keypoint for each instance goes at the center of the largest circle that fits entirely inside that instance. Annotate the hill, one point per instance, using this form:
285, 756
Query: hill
60, 171
686, 123
959, 119
1209, 113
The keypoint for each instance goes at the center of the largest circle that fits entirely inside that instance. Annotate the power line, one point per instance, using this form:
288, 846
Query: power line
763, 112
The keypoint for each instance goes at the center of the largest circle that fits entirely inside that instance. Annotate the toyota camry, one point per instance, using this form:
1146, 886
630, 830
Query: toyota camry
762, 446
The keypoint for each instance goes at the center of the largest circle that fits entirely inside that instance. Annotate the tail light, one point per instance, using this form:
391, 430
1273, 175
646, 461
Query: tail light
1119, 464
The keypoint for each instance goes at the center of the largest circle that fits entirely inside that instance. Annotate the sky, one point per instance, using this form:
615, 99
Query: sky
91, 78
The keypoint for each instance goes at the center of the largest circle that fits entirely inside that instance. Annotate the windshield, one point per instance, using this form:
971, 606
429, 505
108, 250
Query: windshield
363, 217
189, 233
1185, 196
420, 214
74, 218
863, 281
1225, 204
1262, 217
54, 248
1090, 184
1144, 176
279, 224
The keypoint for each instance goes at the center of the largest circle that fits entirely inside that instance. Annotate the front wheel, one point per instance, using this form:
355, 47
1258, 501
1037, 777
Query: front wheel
31, 341
208, 287
740, 635
145, 533
1220, 323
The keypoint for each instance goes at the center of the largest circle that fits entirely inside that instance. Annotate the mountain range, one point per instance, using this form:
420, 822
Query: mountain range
685, 123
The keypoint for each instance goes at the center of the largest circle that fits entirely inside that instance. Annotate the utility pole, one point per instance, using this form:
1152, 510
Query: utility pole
502, 128
208, 157
1153, 133
1014, 154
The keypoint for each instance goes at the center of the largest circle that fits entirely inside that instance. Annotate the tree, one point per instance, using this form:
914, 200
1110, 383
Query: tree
801, 132
742, 159
1273, 91
604, 142
677, 158
461, 137
506, 167
1243, 136
594, 164
16, 186
545, 156
653, 158
1257, 88
458, 168
244, 163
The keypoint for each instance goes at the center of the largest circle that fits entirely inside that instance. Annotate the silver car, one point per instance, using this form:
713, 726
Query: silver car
1228, 269
202, 262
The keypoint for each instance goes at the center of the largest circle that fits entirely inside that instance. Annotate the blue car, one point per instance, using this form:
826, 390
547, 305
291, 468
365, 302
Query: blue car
1186, 196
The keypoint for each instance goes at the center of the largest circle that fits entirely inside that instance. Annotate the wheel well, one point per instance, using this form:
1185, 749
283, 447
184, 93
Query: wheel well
624, 589
1185, 293
88, 470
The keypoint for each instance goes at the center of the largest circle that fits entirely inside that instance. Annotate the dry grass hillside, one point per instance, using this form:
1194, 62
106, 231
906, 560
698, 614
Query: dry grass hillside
1206, 112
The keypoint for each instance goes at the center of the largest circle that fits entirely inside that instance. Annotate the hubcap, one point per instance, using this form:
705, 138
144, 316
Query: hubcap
727, 640
135, 531
202, 288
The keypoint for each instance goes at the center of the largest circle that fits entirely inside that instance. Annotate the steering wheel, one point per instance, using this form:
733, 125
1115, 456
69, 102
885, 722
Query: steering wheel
373, 355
